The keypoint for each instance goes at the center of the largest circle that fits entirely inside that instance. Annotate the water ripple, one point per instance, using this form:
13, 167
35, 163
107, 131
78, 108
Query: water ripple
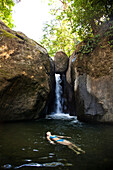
52, 164
7, 166
35, 150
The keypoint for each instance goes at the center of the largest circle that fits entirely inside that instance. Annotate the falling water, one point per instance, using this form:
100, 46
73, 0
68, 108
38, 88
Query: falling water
58, 112
59, 108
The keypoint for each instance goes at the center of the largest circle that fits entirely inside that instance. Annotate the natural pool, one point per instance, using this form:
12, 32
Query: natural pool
24, 146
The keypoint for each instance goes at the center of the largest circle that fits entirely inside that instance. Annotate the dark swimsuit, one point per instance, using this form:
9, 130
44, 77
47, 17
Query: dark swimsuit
60, 140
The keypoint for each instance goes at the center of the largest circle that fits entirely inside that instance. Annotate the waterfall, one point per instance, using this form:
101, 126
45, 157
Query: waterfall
59, 106
58, 92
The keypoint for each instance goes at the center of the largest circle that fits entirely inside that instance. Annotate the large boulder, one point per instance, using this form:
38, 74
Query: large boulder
26, 77
91, 73
61, 62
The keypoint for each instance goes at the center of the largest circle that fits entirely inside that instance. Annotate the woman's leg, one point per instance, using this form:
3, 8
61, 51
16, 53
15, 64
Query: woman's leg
79, 149
71, 147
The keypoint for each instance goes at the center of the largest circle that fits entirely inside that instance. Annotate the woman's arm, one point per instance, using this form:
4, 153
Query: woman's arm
63, 137
48, 138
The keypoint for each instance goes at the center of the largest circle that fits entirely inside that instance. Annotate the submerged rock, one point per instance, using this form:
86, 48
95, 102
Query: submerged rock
26, 77
91, 74
61, 62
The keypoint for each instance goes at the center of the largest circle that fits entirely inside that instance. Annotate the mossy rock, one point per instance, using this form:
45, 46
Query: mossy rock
25, 77
7, 34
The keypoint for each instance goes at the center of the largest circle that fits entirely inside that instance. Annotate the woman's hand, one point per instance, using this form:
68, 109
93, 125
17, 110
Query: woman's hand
52, 142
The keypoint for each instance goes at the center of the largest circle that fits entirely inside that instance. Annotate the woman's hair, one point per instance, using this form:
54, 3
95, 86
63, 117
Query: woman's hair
48, 133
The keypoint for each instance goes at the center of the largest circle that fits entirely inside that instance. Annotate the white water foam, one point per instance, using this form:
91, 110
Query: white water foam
62, 116
58, 114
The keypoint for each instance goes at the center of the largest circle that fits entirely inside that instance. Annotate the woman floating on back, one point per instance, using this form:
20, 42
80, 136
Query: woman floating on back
60, 140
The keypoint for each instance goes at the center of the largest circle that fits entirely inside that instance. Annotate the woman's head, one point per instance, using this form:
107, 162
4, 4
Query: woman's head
48, 133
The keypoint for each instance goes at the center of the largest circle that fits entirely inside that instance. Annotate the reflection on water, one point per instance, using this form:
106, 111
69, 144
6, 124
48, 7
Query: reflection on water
53, 164
24, 146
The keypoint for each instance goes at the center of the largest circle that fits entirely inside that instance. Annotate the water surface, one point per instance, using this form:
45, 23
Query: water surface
24, 146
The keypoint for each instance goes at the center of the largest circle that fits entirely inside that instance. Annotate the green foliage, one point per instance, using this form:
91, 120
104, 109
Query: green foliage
5, 12
58, 37
90, 45
75, 19
110, 43
109, 34
84, 16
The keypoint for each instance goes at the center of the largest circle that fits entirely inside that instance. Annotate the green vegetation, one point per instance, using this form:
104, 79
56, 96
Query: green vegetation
91, 43
7, 34
86, 16
75, 20
57, 36
6, 12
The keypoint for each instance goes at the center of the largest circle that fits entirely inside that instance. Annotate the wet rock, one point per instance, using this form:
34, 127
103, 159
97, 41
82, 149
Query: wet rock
26, 77
61, 62
70, 86
91, 75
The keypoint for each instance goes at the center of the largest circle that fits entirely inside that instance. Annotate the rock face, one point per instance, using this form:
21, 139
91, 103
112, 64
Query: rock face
61, 62
26, 77
91, 74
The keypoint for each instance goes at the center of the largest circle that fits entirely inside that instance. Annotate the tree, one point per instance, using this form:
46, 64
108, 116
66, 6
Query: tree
57, 33
84, 16
5, 12
57, 36
75, 19
87, 15
107, 5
